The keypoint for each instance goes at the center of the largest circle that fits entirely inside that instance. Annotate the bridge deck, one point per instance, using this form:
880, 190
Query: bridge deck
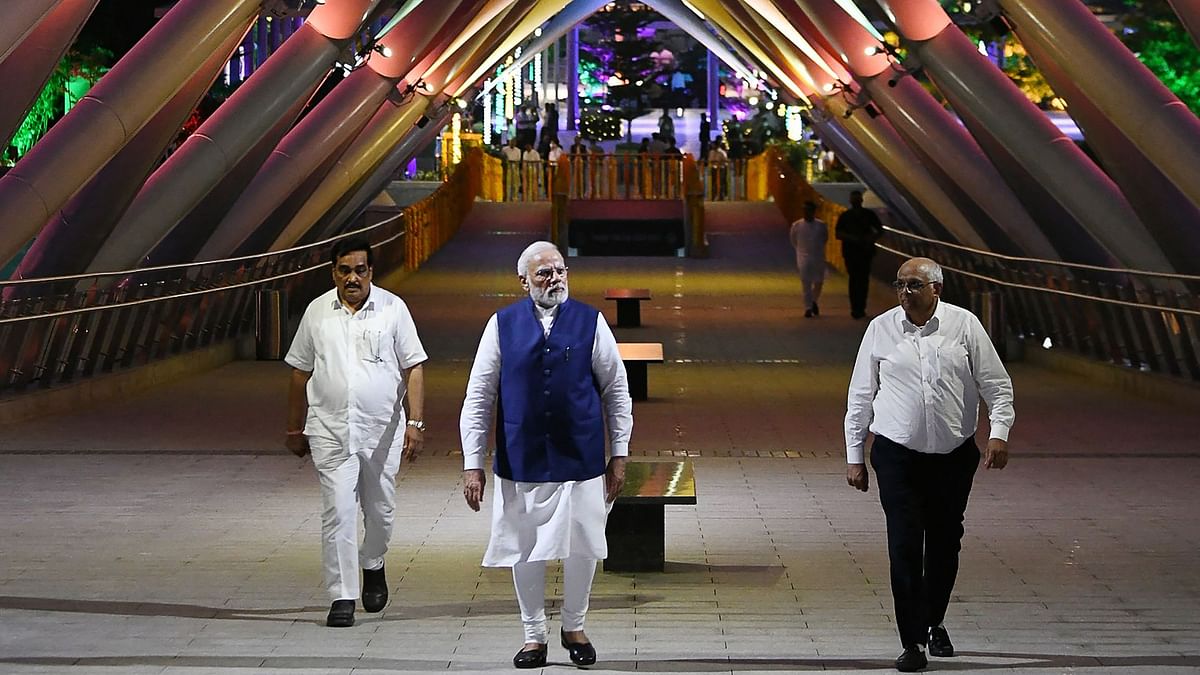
169, 532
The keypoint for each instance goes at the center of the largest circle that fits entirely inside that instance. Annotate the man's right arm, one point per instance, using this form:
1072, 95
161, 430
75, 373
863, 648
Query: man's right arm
297, 442
477, 412
859, 410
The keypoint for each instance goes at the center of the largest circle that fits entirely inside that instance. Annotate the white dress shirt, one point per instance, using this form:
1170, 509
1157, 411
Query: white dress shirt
920, 385
484, 384
357, 361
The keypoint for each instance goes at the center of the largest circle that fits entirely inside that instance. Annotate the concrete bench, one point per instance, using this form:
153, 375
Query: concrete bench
635, 532
629, 305
636, 355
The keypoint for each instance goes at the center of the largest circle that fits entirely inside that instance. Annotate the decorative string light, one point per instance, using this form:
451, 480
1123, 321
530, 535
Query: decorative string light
487, 112
456, 139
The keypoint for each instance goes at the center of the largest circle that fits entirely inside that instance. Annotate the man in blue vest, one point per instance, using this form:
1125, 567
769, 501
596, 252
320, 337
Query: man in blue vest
548, 372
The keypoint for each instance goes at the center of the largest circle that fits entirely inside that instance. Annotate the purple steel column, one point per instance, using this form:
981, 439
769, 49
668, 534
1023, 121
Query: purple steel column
572, 78
20, 17
1120, 85
713, 72
1189, 15
124, 100
25, 70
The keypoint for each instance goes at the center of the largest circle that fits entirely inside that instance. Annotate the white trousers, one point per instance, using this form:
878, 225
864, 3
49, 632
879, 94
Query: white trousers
812, 277
348, 480
529, 578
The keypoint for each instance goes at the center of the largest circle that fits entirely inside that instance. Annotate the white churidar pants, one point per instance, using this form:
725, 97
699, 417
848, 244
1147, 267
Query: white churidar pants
812, 276
536, 522
349, 479
530, 581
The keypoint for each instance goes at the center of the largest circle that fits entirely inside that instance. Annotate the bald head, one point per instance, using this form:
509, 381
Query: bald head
922, 268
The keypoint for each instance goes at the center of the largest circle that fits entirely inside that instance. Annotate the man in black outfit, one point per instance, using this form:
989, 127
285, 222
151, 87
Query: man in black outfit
858, 229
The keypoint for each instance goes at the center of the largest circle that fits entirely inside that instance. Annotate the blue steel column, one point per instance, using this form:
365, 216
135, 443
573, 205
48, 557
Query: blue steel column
713, 71
572, 77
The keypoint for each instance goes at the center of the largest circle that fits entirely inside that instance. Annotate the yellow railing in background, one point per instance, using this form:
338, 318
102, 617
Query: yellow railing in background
693, 190
493, 178
789, 190
431, 222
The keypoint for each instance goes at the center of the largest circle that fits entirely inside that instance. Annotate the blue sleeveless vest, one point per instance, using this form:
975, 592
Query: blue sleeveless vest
550, 427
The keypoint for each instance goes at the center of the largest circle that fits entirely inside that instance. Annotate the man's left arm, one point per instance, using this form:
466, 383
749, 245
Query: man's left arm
609, 372
996, 390
414, 438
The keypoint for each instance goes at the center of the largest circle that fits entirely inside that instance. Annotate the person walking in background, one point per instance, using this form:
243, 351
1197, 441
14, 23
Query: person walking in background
355, 359
858, 229
554, 486
920, 373
808, 236
705, 136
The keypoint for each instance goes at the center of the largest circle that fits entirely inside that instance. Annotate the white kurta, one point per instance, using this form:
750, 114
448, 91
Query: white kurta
545, 521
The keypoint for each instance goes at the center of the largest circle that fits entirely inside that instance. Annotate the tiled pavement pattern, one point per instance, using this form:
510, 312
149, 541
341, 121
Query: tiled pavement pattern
169, 533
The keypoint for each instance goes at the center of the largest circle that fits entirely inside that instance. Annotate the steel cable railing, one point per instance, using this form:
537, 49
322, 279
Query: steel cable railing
1144, 320
57, 330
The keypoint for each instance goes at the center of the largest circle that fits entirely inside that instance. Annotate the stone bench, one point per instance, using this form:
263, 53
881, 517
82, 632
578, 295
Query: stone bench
629, 305
635, 532
635, 356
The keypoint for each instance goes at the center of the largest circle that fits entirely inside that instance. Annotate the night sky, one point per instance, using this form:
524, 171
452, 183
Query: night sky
117, 25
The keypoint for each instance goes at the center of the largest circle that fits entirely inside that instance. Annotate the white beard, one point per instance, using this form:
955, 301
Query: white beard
546, 299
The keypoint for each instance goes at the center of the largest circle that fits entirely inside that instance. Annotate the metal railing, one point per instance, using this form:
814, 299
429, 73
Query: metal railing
1144, 320
57, 330
621, 176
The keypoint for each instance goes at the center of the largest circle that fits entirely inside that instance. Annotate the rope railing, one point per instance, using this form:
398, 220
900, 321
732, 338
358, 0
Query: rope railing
618, 176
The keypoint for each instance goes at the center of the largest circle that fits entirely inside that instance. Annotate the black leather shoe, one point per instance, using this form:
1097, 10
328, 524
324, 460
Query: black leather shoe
912, 660
533, 658
939, 642
341, 614
374, 590
816, 310
808, 314
582, 653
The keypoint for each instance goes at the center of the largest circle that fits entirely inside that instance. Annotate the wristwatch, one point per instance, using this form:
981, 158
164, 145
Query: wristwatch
419, 425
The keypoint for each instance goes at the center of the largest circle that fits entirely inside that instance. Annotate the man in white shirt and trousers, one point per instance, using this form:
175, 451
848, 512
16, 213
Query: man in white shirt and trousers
548, 368
920, 373
808, 236
355, 358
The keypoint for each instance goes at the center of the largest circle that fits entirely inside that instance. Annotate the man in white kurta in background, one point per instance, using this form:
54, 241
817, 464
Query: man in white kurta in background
355, 358
550, 367
808, 236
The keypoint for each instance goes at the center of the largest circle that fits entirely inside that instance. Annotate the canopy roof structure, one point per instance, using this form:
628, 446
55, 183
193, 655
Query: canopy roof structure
992, 172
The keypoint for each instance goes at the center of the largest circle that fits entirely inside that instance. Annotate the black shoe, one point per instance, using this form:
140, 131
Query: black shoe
857, 315
816, 310
374, 590
582, 653
808, 314
939, 642
341, 614
912, 660
533, 658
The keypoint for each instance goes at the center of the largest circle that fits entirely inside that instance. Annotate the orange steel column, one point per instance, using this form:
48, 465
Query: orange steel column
975, 86
289, 76
124, 100
25, 70
1161, 126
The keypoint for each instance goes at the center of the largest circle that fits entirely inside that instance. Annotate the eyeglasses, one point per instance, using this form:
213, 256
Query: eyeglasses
912, 285
345, 270
547, 273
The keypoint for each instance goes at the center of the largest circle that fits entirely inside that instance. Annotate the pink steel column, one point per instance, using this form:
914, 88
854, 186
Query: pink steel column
25, 70
1120, 85
1188, 12
124, 100
223, 140
20, 17
926, 125
67, 243
328, 127
975, 86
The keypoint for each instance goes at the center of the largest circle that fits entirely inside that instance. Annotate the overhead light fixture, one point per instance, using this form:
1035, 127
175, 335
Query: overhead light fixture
384, 50
872, 51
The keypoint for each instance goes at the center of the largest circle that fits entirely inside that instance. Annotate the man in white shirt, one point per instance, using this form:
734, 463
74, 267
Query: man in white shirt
355, 358
554, 486
512, 168
808, 236
920, 373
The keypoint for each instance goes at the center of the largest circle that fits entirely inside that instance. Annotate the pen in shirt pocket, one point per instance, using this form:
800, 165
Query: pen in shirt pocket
567, 357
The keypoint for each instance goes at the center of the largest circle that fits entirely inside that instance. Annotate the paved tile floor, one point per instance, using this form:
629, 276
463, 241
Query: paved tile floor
169, 533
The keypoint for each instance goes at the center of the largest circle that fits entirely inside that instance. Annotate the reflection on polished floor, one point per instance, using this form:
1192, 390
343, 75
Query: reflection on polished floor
170, 532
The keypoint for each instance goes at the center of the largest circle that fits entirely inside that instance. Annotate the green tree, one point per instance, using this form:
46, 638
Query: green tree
1153, 33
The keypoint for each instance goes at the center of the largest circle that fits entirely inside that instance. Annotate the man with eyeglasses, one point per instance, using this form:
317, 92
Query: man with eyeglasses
355, 358
548, 368
921, 371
